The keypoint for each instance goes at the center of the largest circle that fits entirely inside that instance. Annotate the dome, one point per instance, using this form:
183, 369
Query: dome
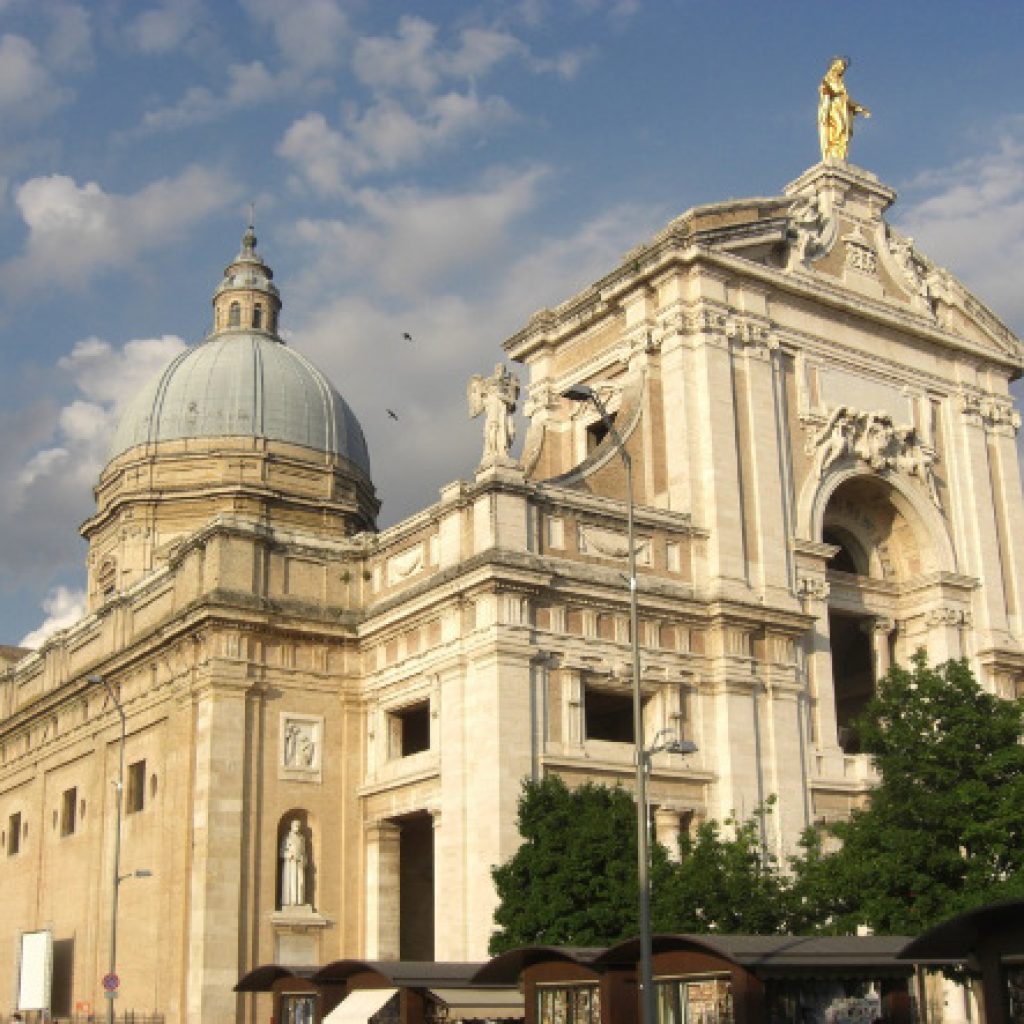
243, 381
243, 384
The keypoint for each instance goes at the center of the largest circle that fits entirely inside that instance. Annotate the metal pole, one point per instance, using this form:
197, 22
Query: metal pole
116, 877
642, 854
583, 392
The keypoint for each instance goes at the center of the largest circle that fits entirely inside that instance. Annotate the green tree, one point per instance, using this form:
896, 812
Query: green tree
944, 830
573, 881
724, 882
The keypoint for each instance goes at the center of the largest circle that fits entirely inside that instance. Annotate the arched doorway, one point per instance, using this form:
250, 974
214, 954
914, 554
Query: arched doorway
878, 547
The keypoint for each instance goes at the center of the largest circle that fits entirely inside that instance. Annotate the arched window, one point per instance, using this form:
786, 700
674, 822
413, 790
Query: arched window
257, 316
235, 315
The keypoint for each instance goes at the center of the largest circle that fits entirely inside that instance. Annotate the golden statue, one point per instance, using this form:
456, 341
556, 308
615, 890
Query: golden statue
836, 111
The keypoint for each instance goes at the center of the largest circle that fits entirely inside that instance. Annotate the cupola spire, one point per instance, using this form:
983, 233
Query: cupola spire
247, 299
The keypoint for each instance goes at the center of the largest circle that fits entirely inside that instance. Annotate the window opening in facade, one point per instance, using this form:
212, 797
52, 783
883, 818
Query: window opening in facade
853, 673
135, 799
569, 1004
409, 730
235, 315
607, 716
846, 558
257, 316
694, 1001
14, 834
69, 811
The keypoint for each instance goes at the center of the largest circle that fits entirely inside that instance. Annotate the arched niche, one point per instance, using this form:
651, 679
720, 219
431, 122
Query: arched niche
306, 830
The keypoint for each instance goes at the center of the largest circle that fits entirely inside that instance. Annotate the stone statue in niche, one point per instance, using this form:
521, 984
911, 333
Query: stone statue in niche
293, 866
496, 398
299, 745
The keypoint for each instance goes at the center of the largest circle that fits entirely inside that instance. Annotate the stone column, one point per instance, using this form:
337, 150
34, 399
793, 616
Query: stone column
879, 630
383, 891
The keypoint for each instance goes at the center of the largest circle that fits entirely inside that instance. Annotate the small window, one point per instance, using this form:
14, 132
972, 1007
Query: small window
410, 730
69, 812
13, 834
235, 315
608, 716
135, 799
257, 315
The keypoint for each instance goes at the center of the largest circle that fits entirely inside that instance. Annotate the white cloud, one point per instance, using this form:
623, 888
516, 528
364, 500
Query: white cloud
164, 28
53, 454
248, 85
78, 231
27, 90
310, 34
407, 239
970, 218
385, 137
63, 607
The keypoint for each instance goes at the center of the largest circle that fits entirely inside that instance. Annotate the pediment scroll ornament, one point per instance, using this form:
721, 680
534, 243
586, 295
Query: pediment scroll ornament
812, 231
873, 438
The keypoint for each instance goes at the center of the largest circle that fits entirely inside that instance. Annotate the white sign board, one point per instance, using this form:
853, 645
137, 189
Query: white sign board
34, 971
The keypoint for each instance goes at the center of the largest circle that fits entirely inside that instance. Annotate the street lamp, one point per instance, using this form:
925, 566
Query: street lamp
584, 393
667, 741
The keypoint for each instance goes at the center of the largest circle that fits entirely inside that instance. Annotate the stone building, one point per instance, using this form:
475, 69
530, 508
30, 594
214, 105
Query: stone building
328, 726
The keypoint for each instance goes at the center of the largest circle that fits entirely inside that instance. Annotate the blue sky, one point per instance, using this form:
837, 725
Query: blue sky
439, 168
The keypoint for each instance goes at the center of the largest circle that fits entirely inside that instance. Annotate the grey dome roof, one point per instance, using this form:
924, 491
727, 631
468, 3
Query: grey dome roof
242, 384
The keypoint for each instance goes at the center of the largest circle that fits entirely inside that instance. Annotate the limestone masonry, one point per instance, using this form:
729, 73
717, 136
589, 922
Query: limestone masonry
328, 727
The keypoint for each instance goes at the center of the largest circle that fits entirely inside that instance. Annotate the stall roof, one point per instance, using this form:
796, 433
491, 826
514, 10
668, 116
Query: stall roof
401, 973
506, 968
958, 937
261, 979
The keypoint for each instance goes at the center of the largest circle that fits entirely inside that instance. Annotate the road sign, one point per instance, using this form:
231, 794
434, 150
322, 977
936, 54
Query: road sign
111, 982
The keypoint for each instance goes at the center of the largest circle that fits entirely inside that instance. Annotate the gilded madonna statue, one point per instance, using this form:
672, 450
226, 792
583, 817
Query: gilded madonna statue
836, 111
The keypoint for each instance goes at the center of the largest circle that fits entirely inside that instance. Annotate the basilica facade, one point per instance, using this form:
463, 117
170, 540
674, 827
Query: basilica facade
327, 727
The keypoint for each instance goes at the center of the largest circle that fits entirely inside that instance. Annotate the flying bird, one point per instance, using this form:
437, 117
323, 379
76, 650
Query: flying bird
407, 336
392, 414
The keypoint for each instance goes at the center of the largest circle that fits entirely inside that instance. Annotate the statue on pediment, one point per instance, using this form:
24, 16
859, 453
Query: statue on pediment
496, 398
836, 111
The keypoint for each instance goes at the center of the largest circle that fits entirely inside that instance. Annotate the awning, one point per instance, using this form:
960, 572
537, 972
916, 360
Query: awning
359, 1006
469, 1003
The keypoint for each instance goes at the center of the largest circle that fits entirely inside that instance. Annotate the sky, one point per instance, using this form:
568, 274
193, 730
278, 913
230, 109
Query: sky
442, 169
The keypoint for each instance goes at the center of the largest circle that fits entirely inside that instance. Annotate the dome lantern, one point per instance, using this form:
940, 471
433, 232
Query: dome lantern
247, 298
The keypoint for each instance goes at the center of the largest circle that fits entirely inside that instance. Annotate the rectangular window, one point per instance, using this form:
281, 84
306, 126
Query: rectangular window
409, 730
135, 799
68, 811
568, 1004
607, 715
694, 1001
14, 834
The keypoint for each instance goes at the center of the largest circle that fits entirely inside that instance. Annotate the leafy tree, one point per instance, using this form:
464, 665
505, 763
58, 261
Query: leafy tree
724, 882
944, 830
573, 881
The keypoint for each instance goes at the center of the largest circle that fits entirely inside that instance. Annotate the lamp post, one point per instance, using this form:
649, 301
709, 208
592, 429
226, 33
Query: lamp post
668, 741
584, 393
116, 873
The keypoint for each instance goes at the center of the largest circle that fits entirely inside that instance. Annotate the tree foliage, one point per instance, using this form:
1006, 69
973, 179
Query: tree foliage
573, 881
944, 830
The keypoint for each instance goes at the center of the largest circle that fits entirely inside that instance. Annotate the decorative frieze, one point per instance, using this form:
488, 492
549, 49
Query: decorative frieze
948, 617
860, 257
595, 540
873, 438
